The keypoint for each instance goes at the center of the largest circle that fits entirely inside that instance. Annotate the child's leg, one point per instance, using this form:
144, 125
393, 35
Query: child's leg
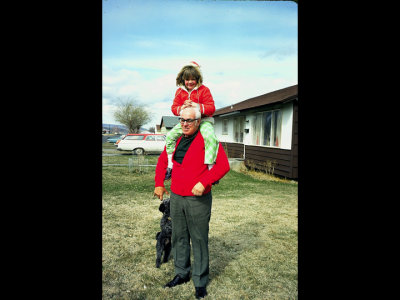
170, 141
211, 142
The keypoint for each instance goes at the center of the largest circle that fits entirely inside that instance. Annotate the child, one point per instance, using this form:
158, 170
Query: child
192, 92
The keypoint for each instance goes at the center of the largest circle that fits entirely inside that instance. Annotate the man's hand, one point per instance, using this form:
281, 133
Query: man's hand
198, 189
159, 192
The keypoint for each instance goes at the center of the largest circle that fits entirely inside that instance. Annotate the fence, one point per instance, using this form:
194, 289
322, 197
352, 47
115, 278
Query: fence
137, 163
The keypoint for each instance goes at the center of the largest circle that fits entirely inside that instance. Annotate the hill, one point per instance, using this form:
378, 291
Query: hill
121, 128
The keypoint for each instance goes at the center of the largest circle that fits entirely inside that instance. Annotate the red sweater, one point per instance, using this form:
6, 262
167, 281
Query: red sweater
192, 170
201, 95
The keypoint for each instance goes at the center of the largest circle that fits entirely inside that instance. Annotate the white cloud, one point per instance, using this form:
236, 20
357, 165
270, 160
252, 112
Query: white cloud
156, 93
239, 78
231, 79
248, 50
108, 111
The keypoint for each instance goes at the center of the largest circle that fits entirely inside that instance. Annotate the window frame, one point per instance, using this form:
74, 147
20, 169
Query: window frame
150, 138
225, 124
160, 138
275, 128
239, 124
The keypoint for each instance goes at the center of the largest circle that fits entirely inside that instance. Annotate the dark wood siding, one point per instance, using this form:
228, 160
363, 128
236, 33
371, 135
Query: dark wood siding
233, 150
257, 157
285, 161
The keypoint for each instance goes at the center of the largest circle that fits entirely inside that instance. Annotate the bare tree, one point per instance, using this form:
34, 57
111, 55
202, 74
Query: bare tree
152, 129
131, 114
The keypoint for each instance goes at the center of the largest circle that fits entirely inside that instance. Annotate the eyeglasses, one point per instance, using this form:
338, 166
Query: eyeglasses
189, 121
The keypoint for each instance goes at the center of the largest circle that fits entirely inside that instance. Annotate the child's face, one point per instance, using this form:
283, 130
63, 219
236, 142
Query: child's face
190, 83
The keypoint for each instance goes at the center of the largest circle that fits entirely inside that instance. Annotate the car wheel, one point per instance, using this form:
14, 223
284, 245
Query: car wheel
138, 151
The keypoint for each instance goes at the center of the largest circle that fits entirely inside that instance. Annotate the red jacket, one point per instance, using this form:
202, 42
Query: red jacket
201, 95
192, 170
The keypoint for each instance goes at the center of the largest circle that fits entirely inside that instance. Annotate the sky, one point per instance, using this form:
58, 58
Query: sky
244, 48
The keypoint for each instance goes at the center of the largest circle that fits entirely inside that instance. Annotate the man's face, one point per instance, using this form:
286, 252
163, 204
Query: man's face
189, 129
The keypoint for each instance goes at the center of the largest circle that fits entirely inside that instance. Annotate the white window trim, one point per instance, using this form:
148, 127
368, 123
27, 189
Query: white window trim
227, 127
272, 128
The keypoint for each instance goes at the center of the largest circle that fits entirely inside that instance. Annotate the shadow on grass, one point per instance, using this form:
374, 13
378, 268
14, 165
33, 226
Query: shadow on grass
227, 248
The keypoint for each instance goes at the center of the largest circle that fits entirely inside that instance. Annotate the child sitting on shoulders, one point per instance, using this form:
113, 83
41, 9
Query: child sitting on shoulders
192, 92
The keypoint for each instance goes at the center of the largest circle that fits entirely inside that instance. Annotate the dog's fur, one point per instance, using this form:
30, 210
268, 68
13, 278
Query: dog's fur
164, 236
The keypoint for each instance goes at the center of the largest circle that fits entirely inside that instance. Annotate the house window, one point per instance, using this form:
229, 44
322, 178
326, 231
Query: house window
238, 124
225, 127
267, 128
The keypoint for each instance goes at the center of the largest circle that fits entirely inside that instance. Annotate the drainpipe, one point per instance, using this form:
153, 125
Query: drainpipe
246, 130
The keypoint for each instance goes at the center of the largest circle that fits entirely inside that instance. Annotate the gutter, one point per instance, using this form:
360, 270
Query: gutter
229, 114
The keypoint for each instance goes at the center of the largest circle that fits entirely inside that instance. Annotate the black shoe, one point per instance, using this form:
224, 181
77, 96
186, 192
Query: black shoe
201, 292
176, 281
168, 174
216, 182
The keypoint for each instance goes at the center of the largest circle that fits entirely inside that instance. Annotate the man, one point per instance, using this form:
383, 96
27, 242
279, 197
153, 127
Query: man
190, 200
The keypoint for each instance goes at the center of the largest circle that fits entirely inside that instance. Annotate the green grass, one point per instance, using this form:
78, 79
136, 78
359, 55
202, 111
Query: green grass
108, 145
253, 238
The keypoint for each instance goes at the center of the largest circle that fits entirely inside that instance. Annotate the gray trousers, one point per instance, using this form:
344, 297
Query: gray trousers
190, 217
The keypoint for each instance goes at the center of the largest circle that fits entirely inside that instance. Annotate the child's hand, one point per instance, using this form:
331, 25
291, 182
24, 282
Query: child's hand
187, 103
194, 104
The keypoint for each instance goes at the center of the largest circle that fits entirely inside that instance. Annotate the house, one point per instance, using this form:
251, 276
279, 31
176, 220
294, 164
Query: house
167, 123
263, 131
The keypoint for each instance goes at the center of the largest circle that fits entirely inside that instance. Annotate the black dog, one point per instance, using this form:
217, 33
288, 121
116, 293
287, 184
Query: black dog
164, 236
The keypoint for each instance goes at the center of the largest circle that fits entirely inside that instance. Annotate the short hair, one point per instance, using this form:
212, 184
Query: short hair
187, 72
196, 111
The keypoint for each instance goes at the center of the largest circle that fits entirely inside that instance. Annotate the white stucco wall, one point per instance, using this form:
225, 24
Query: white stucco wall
218, 126
286, 133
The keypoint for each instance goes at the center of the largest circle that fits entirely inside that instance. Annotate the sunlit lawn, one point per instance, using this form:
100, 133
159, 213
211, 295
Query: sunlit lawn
253, 237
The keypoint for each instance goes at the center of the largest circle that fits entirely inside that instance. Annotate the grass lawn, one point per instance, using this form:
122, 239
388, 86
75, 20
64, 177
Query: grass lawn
253, 237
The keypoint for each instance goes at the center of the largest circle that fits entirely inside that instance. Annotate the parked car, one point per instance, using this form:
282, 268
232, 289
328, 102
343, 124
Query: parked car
120, 139
114, 139
141, 143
